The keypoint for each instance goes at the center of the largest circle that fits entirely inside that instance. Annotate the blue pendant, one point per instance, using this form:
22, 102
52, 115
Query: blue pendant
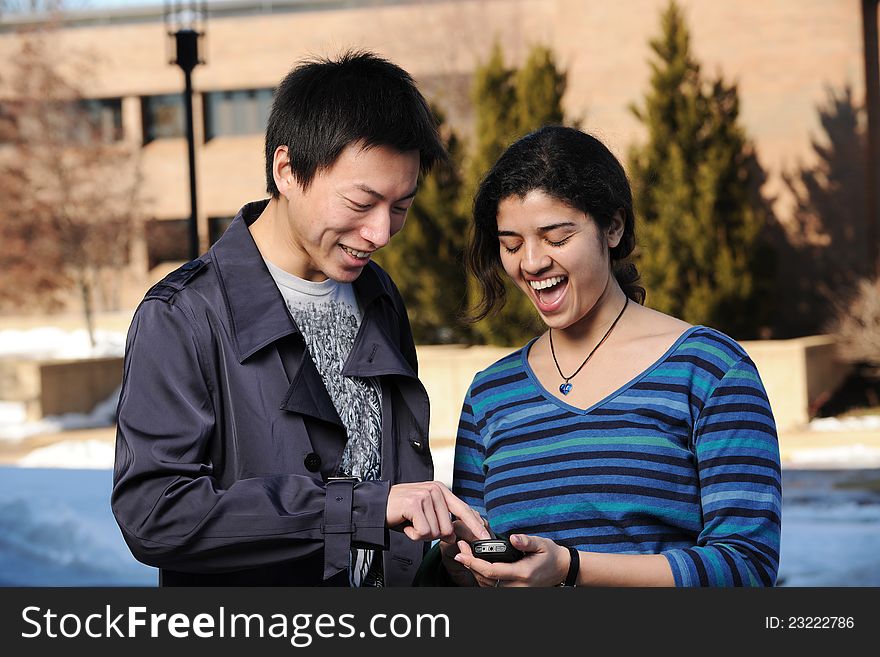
565, 388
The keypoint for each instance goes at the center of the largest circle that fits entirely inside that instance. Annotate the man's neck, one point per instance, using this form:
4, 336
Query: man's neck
271, 233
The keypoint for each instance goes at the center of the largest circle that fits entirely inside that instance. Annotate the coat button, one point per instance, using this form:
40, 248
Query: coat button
418, 444
312, 462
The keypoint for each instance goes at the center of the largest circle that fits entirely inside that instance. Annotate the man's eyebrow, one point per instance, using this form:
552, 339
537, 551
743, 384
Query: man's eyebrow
377, 195
542, 229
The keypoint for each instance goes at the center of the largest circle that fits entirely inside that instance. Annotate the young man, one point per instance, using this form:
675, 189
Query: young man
272, 428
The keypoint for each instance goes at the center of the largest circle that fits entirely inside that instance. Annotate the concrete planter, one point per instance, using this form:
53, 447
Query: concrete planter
55, 387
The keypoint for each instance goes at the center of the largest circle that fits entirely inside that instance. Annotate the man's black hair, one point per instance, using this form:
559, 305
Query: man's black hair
323, 105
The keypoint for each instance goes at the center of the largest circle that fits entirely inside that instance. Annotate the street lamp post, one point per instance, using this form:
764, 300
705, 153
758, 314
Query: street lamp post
186, 26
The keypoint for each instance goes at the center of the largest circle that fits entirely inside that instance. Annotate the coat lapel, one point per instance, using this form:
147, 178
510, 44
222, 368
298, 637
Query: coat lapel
375, 354
307, 394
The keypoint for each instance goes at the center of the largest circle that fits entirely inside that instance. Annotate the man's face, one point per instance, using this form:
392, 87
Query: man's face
350, 211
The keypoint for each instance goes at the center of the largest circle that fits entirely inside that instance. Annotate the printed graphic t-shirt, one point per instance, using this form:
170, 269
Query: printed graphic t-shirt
328, 315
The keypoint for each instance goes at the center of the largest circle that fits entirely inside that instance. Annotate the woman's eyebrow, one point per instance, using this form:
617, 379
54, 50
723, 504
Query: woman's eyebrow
563, 224
542, 229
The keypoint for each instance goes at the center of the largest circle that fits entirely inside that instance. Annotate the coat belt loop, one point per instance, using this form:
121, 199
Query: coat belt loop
338, 527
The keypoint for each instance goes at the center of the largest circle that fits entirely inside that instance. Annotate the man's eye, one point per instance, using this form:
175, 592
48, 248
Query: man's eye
560, 242
399, 210
360, 207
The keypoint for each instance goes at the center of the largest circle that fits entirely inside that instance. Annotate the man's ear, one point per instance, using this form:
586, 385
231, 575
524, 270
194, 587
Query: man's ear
281, 172
615, 230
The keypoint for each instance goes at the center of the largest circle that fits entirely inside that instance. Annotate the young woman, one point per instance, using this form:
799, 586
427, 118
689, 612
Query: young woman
622, 447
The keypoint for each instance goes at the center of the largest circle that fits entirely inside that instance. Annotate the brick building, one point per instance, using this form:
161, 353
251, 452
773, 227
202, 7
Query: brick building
791, 58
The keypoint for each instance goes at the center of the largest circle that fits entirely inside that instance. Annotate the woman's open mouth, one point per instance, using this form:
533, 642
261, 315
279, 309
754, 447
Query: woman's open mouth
549, 292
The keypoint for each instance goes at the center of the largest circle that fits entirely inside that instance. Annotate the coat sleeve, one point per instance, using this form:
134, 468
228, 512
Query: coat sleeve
737, 455
172, 510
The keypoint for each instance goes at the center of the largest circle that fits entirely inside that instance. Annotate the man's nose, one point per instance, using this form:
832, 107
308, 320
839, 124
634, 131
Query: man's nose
377, 228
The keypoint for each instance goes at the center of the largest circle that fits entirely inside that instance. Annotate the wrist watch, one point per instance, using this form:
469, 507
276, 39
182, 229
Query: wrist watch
573, 568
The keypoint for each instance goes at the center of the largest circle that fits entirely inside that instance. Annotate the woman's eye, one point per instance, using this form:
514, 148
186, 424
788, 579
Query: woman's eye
560, 242
511, 249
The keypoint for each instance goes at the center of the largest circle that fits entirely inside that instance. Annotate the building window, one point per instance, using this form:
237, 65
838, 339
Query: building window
167, 241
242, 112
79, 122
217, 226
102, 120
163, 117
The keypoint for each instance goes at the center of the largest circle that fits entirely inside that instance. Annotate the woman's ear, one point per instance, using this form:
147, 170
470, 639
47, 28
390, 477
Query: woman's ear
615, 230
281, 172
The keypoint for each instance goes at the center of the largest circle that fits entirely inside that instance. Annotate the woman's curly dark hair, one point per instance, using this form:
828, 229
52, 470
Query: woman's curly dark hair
570, 166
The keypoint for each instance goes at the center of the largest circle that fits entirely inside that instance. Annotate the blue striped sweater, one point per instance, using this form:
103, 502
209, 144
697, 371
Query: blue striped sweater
682, 461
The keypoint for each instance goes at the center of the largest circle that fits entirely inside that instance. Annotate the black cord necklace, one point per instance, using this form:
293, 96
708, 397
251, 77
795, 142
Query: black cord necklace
566, 387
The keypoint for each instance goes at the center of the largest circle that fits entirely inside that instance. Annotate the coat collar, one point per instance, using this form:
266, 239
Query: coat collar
257, 313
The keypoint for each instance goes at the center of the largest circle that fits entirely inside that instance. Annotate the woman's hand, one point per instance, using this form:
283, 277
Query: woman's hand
545, 564
448, 550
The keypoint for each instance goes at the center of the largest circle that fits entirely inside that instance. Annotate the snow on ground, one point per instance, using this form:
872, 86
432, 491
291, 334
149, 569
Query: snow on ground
52, 342
852, 423
841, 456
14, 425
56, 529
77, 454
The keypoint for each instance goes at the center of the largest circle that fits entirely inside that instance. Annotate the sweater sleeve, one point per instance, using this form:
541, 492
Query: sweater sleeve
468, 476
737, 455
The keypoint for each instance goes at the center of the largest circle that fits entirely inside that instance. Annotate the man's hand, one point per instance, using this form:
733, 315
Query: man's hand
426, 507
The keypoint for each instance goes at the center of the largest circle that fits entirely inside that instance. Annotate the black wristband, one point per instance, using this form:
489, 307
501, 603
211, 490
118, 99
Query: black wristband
574, 567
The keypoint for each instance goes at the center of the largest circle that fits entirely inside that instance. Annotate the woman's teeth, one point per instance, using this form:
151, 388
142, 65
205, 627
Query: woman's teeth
547, 282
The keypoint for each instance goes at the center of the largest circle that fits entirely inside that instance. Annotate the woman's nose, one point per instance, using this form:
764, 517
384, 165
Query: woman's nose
535, 260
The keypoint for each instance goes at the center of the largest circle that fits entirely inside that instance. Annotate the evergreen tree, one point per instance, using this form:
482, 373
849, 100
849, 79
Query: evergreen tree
426, 258
540, 86
509, 104
496, 119
701, 252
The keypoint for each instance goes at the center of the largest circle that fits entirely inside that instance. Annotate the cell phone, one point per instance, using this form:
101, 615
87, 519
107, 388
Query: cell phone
496, 550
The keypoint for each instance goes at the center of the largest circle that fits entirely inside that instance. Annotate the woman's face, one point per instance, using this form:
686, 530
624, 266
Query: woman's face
557, 255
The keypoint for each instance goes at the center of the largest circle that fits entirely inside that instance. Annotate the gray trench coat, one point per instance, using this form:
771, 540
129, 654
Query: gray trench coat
228, 441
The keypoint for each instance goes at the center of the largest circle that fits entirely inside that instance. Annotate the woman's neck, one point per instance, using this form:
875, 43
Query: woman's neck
592, 326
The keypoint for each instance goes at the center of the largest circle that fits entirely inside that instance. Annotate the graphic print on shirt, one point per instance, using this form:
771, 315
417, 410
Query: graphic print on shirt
329, 329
